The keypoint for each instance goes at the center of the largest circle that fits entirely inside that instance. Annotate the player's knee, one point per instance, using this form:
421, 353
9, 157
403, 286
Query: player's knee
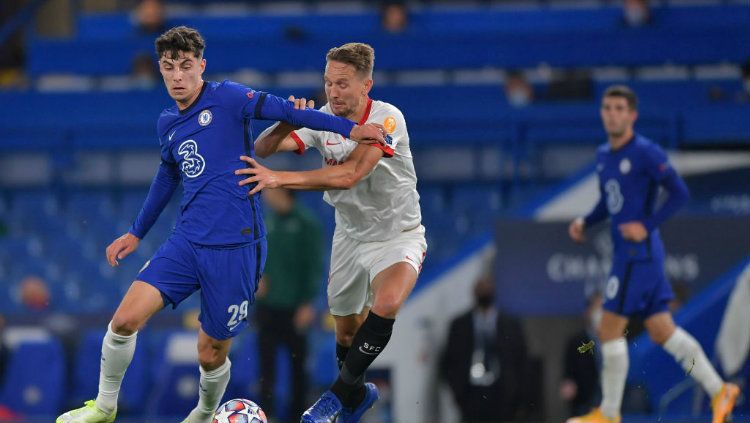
659, 337
606, 334
125, 324
345, 338
387, 306
211, 358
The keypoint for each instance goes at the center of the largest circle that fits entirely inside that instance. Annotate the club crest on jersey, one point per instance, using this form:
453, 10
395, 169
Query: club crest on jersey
389, 124
625, 166
205, 117
613, 284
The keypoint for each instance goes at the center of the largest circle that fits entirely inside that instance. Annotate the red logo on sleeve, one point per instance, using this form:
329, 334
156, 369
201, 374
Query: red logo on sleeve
250, 95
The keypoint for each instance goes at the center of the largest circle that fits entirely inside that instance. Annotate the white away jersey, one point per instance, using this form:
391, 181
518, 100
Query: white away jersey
385, 202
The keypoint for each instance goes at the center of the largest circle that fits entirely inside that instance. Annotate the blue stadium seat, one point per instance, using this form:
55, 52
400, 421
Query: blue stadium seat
175, 370
32, 390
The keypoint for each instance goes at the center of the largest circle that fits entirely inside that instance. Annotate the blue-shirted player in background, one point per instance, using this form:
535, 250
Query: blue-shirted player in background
631, 169
218, 243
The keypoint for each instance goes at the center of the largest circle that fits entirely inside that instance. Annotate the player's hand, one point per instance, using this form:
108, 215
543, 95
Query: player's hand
568, 389
368, 133
262, 287
633, 231
302, 103
299, 104
303, 317
263, 176
577, 230
121, 248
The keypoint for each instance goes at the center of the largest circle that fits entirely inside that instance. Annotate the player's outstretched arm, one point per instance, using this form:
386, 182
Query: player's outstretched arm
278, 137
344, 176
271, 107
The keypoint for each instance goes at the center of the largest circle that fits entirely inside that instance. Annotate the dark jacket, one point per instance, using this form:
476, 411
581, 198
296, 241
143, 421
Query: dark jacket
505, 395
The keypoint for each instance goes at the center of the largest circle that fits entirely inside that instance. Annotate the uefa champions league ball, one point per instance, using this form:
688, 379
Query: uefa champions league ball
239, 411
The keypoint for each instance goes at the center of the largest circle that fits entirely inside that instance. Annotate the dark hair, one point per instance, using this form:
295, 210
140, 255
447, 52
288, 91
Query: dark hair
359, 55
177, 39
623, 92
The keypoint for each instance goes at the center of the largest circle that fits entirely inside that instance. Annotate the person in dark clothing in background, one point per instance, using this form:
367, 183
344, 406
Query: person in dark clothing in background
289, 284
484, 360
580, 384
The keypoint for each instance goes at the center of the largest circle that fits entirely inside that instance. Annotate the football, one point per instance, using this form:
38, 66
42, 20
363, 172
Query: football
239, 411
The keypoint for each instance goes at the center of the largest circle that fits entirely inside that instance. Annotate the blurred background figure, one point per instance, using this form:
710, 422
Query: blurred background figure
580, 385
744, 94
290, 283
571, 85
484, 360
149, 17
636, 12
518, 91
34, 293
394, 16
145, 75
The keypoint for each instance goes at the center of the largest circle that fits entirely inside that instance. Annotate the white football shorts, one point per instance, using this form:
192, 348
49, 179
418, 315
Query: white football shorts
354, 264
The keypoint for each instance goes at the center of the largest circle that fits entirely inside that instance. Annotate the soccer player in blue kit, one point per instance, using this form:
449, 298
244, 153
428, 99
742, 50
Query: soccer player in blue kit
631, 168
218, 244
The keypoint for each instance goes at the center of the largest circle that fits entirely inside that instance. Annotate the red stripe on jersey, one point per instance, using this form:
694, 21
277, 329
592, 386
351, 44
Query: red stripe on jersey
387, 151
300, 145
367, 112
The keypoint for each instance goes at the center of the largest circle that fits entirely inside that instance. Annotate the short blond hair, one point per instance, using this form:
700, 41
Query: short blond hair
359, 55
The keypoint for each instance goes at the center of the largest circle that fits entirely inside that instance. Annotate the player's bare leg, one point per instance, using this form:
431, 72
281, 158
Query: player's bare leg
140, 303
614, 350
689, 354
215, 369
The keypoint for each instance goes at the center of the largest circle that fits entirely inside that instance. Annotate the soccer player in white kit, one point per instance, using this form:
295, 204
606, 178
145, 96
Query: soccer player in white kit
379, 243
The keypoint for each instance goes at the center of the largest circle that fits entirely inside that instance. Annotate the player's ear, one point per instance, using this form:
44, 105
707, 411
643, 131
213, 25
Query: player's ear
368, 86
203, 66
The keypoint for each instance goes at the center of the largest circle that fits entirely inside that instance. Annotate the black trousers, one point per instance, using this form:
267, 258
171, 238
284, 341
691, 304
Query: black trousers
483, 405
275, 329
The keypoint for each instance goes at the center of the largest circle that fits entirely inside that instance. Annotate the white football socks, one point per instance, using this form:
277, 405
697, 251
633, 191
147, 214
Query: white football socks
210, 391
614, 372
117, 352
688, 352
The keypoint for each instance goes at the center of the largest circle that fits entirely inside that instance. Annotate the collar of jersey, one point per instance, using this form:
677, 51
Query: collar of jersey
197, 99
367, 112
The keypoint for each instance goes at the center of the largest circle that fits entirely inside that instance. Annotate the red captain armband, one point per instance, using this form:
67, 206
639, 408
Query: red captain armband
300, 145
387, 150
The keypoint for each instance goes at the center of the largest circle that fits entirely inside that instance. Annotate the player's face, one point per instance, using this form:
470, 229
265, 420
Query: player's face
617, 116
346, 90
182, 76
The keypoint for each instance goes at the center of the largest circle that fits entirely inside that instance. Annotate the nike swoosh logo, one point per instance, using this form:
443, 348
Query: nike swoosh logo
366, 352
172, 134
332, 143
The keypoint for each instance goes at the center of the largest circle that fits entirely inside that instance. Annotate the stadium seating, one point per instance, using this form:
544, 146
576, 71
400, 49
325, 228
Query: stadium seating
476, 155
29, 390
446, 40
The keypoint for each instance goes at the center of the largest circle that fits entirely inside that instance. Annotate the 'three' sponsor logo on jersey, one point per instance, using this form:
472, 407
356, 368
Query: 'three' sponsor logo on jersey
193, 163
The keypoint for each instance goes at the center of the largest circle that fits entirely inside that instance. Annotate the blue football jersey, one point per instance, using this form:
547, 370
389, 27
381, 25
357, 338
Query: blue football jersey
205, 142
201, 146
629, 180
